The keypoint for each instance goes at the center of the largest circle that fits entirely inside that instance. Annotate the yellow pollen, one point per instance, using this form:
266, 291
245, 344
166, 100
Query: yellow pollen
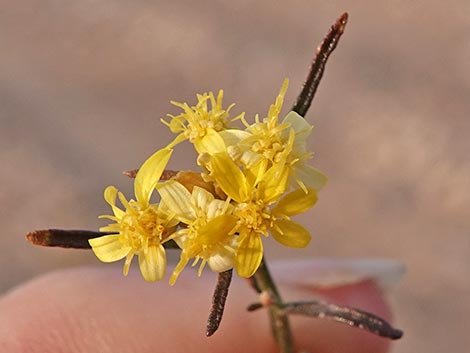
195, 120
141, 228
254, 217
270, 148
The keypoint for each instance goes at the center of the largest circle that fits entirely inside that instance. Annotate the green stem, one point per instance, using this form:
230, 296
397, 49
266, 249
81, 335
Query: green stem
279, 320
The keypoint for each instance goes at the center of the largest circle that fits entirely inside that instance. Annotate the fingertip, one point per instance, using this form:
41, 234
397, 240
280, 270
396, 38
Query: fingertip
99, 310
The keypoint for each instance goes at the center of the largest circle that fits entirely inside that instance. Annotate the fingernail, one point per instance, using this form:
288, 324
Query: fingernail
336, 272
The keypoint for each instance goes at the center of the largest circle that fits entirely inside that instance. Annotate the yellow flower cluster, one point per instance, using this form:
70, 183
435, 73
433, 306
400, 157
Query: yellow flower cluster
253, 181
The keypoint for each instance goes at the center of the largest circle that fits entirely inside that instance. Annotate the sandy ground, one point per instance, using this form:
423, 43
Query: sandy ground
83, 85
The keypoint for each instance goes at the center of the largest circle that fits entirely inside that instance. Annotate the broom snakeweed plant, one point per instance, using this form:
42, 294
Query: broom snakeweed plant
252, 181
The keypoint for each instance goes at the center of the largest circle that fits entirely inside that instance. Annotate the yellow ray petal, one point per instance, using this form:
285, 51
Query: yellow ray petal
290, 234
178, 269
310, 176
110, 194
177, 140
125, 203
211, 143
221, 261
302, 130
177, 199
297, 122
112, 218
275, 108
255, 173
249, 255
201, 198
127, 264
216, 230
274, 183
149, 175
295, 203
229, 177
108, 248
113, 228
233, 136
217, 208
152, 263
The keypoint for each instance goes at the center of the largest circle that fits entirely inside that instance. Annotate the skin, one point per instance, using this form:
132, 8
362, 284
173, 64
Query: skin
98, 310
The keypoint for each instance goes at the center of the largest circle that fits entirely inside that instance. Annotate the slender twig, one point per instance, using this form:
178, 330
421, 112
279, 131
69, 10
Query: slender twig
262, 278
343, 314
318, 65
253, 284
218, 302
279, 320
130, 173
75, 239
166, 175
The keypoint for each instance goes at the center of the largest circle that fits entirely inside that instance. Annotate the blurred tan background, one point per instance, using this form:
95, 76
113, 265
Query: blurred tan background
83, 85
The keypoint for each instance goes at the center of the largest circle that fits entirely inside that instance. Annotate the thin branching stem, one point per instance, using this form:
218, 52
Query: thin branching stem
342, 314
262, 278
279, 320
218, 302
72, 239
315, 74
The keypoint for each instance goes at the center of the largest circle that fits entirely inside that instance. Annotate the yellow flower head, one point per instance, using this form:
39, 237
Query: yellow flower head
253, 197
208, 233
219, 217
200, 124
141, 228
270, 141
